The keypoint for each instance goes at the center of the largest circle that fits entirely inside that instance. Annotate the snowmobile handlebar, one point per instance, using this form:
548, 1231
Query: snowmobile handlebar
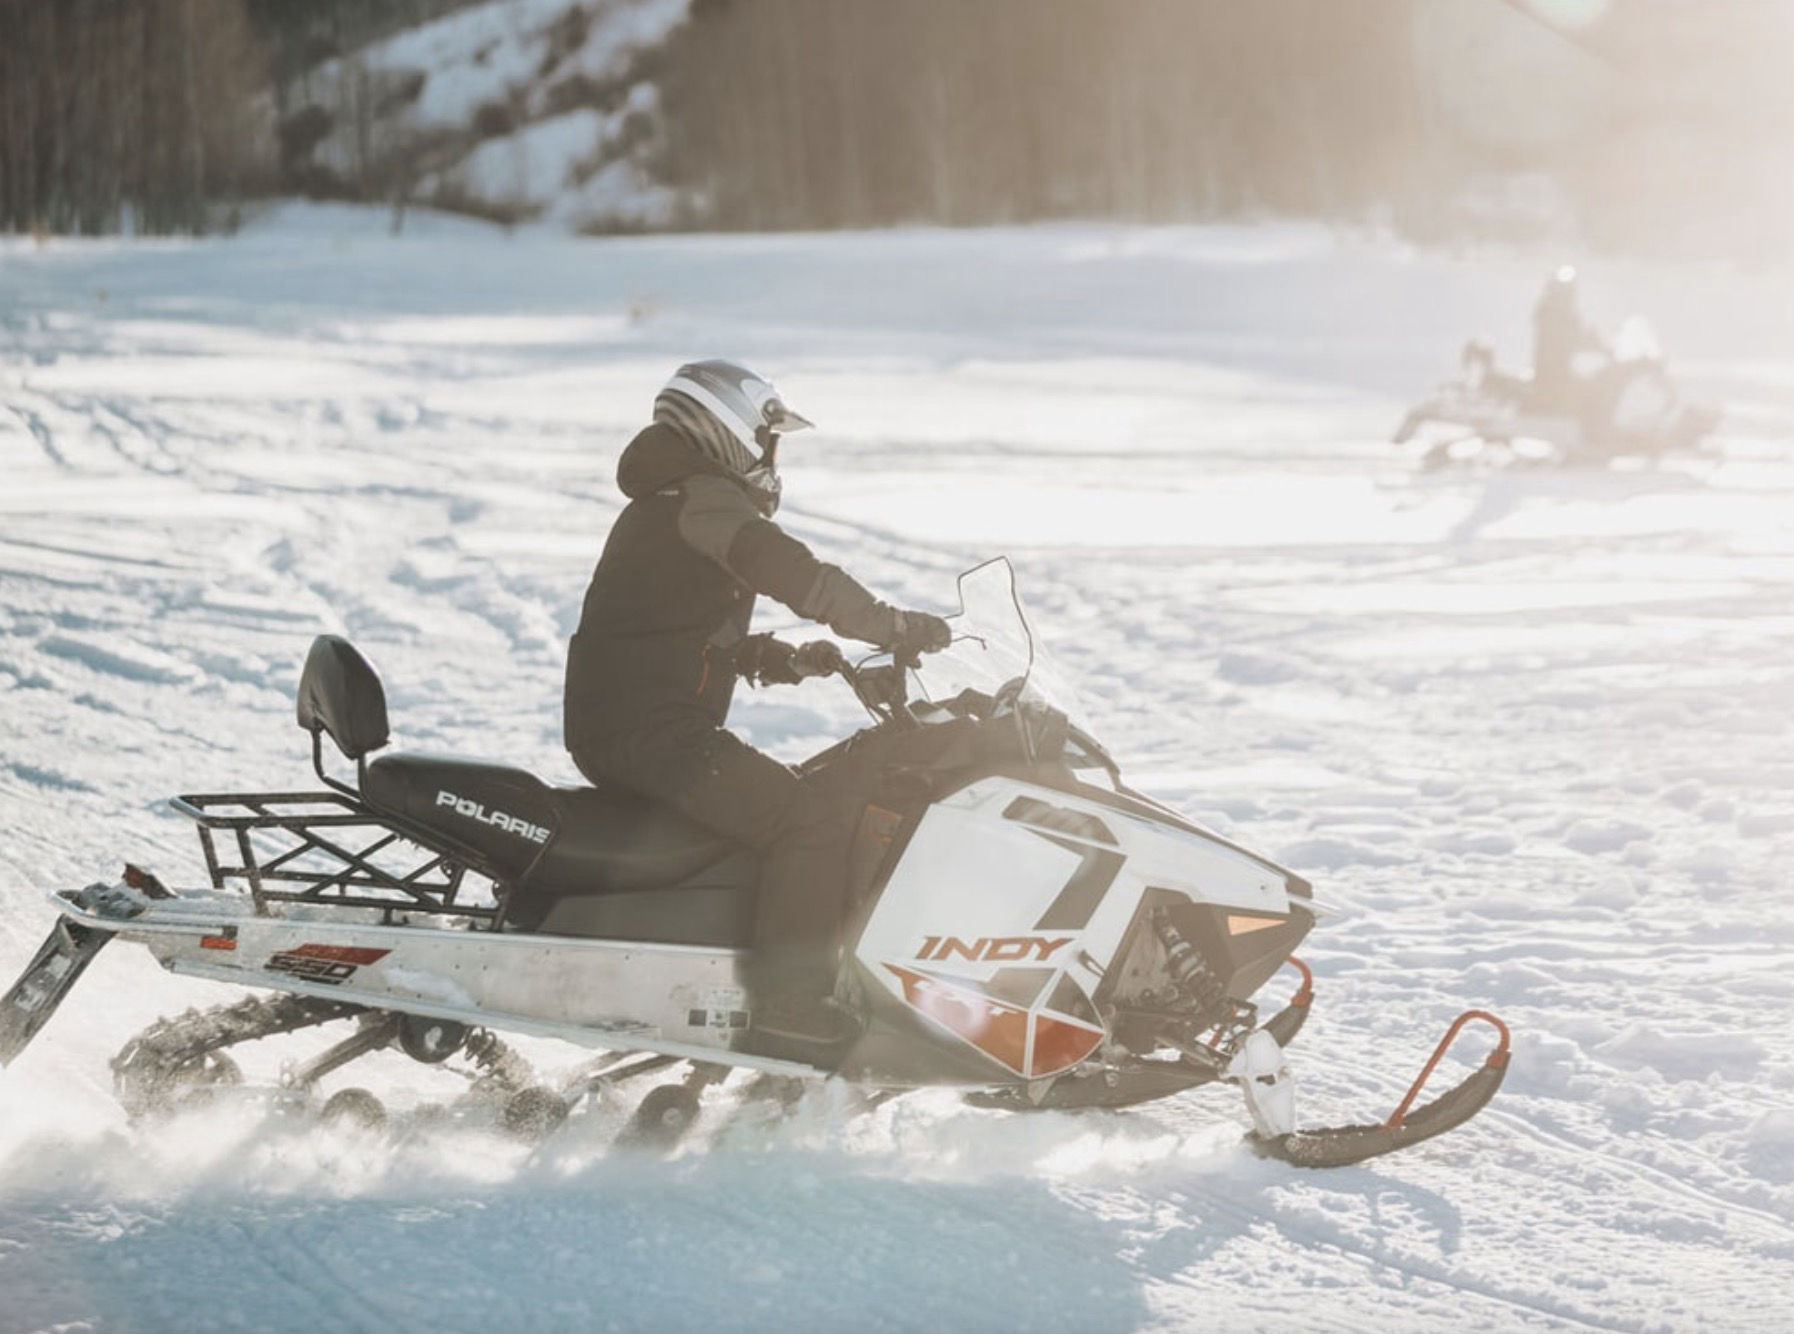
882, 687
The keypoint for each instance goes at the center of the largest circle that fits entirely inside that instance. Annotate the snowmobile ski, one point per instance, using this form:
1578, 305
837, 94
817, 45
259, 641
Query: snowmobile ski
1341, 1146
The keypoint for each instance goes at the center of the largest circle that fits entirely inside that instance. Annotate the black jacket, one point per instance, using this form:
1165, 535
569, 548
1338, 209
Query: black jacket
1558, 334
674, 592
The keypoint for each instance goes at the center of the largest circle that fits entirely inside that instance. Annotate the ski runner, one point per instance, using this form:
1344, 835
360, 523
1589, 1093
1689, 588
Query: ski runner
664, 635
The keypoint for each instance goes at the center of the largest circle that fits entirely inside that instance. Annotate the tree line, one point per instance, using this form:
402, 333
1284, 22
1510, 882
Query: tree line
157, 115
124, 113
780, 113
827, 113
851, 112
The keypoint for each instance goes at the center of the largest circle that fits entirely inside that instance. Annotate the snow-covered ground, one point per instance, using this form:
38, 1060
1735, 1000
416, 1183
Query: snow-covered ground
1529, 731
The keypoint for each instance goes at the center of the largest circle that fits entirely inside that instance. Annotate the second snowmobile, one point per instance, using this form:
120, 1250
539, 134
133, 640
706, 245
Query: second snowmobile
1625, 403
1027, 927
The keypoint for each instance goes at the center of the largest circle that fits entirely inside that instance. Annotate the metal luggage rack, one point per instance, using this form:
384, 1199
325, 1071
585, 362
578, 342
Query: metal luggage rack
331, 841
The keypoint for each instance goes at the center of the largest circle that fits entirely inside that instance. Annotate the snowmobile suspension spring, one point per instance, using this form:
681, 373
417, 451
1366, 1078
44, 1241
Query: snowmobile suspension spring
1189, 970
496, 1061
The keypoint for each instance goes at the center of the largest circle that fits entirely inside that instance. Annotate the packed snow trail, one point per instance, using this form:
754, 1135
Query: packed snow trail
1529, 731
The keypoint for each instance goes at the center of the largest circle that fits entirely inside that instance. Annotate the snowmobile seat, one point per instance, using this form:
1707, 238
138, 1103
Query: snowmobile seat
712, 907
628, 867
573, 861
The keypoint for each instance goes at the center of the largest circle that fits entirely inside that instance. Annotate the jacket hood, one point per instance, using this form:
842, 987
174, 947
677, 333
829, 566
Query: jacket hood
658, 457
661, 456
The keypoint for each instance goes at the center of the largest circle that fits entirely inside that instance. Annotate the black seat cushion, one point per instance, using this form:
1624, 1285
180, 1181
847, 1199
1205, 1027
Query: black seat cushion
619, 841
578, 840
502, 815
713, 907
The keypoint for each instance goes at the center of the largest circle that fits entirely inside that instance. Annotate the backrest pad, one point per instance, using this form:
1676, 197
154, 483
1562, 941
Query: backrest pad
340, 693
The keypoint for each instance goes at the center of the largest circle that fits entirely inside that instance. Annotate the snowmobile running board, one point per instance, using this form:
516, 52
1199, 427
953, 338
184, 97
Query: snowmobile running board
1340, 1146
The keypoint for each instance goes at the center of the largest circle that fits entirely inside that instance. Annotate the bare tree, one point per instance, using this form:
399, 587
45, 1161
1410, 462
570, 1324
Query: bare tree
108, 105
817, 112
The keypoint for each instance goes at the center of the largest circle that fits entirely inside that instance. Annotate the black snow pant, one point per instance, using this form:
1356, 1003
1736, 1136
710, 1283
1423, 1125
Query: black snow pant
803, 830
1553, 391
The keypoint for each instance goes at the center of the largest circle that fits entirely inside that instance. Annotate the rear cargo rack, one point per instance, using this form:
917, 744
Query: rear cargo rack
331, 850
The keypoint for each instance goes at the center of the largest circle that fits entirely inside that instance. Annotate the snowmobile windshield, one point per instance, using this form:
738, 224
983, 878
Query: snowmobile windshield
994, 649
1636, 340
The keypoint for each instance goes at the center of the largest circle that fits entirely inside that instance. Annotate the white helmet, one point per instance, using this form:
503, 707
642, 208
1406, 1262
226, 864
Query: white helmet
735, 416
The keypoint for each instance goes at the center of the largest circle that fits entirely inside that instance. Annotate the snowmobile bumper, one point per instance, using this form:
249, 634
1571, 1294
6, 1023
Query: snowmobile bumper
50, 975
66, 952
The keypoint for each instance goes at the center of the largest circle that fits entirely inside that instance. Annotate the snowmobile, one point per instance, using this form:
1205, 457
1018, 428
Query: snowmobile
1026, 928
1627, 404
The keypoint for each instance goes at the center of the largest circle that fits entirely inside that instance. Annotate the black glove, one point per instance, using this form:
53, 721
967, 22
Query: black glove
766, 661
819, 657
914, 632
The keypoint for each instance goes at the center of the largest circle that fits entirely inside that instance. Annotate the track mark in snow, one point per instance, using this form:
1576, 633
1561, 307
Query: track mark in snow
1305, 1227
46, 779
133, 662
343, 1300
120, 431
40, 432
1655, 1177
1319, 1230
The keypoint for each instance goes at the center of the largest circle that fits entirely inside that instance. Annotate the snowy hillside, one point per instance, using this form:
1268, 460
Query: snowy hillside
537, 109
1528, 731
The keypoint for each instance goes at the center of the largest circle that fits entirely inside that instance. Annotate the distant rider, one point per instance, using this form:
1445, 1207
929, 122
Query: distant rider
1558, 335
665, 634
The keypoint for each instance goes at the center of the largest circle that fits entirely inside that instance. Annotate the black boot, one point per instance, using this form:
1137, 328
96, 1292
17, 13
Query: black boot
803, 1017
794, 1015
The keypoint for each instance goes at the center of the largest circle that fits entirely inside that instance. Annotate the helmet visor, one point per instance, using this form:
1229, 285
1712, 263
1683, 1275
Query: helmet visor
780, 419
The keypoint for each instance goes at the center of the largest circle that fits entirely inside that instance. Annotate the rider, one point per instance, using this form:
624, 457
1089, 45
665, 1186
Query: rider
1558, 334
665, 633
